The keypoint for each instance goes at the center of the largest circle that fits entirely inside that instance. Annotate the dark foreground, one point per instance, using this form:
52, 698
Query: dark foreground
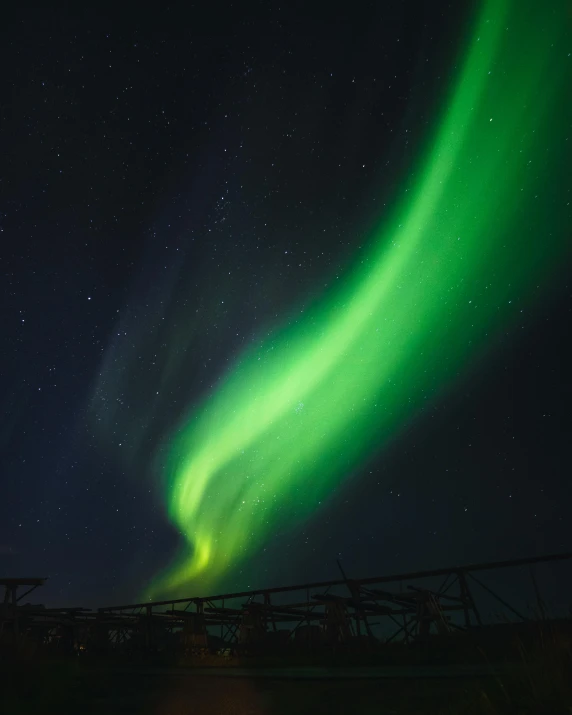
79, 688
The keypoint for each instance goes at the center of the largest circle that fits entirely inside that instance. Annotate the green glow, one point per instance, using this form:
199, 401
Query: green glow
480, 227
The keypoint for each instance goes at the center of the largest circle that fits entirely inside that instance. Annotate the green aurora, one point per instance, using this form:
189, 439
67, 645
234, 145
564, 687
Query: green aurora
479, 229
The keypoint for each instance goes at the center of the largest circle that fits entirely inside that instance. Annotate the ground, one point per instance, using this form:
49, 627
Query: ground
74, 688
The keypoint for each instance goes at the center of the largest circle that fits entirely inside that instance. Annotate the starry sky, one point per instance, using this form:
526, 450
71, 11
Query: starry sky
174, 189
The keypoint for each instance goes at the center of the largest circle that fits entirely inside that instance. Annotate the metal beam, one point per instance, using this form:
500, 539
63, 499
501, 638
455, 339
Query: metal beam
10, 582
364, 581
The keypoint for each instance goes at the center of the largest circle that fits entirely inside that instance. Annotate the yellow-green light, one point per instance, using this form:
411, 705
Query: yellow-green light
479, 228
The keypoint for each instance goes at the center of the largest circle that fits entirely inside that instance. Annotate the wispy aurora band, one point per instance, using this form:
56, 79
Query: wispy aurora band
479, 225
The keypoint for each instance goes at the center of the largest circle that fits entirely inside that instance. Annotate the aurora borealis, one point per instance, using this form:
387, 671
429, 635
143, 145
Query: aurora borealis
475, 232
282, 287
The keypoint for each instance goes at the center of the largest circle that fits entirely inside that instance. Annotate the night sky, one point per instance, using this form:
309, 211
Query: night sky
175, 187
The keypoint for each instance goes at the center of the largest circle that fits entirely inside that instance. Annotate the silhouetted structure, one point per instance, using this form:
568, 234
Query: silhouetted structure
340, 617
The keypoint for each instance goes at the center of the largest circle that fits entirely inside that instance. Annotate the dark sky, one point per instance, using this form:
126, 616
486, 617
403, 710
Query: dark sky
214, 167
